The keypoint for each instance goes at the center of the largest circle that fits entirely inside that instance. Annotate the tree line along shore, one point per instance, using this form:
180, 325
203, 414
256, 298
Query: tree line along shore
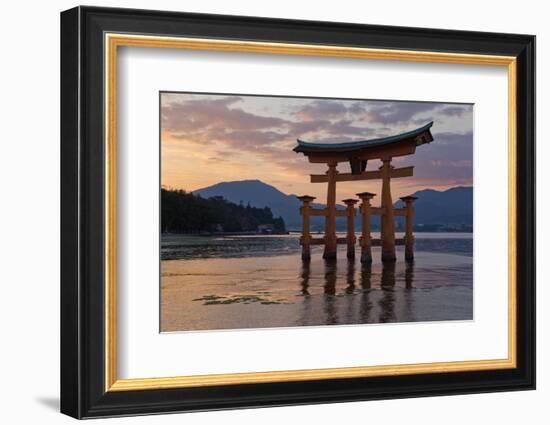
183, 212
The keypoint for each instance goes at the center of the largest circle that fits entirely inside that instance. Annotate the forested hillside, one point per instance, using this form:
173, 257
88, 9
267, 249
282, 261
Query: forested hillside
183, 212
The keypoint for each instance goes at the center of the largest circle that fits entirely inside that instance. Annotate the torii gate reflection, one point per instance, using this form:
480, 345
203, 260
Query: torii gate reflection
357, 154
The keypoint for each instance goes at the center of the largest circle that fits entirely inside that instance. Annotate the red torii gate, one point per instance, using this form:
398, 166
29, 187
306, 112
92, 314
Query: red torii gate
357, 154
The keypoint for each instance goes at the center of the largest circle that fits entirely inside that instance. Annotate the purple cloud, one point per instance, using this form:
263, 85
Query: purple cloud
388, 113
455, 111
224, 127
180, 118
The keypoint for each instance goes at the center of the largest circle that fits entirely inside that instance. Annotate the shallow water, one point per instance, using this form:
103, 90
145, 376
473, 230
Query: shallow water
177, 247
230, 287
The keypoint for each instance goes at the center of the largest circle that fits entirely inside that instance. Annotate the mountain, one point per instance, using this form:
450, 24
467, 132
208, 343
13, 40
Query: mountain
449, 209
258, 194
434, 210
452, 206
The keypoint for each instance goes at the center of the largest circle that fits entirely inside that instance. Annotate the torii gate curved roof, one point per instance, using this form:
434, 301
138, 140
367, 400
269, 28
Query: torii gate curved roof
359, 152
419, 136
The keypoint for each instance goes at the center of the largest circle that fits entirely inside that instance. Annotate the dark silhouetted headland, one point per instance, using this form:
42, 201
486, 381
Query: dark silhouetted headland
183, 212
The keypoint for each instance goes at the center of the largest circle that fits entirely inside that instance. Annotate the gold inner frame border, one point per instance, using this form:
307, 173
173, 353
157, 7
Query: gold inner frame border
113, 40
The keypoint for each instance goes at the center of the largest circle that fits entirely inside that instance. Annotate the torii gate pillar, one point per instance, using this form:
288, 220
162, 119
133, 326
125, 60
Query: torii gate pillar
387, 218
365, 240
305, 240
330, 221
350, 235
409, 238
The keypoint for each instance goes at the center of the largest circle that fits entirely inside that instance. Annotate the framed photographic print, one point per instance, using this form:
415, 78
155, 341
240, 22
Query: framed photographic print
261, 212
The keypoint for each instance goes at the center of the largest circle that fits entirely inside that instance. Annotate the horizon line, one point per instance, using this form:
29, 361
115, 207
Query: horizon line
290, 194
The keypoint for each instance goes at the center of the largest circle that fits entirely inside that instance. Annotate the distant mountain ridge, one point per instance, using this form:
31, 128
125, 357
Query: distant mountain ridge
258, 194
449, 209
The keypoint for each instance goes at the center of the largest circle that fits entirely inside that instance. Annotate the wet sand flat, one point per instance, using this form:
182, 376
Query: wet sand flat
282, 291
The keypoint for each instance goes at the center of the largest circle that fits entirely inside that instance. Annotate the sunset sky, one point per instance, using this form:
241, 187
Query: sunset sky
207, 139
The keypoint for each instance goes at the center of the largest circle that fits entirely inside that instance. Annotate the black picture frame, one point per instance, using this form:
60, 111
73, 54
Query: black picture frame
83, 392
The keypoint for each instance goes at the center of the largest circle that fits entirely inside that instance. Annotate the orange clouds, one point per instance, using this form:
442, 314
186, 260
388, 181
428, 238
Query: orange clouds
207, 139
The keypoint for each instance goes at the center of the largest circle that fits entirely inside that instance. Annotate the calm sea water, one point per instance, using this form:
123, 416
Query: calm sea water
237, 282
177, 247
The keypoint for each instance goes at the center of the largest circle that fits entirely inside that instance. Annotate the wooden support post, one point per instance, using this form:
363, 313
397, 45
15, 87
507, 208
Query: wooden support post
366, 275
330, 221
387, 219
365, 240
388, 275
409, 274
409, 238
350, 236
305, 240
305, 275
